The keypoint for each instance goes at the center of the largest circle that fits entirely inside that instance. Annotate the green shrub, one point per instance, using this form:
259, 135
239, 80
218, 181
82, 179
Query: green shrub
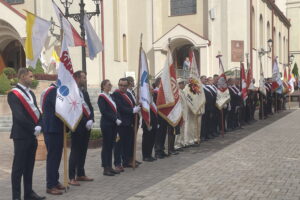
4, 84
95, 134
9, 72
34, 84
38, 68
14, 81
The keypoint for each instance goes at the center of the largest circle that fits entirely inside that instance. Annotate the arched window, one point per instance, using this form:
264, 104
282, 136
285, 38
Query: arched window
261, 32
116, 26
274, 43
124, 48
284, 52
253, 28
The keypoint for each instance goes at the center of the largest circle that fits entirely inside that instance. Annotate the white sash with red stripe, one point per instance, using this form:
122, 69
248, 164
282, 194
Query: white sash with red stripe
28, 104
109, 100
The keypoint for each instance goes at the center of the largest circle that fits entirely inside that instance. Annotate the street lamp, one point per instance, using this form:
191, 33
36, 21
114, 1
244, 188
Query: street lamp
263, 52
291, 59
79, 17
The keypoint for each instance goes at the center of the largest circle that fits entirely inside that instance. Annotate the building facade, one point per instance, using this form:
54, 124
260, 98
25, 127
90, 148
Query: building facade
234, 28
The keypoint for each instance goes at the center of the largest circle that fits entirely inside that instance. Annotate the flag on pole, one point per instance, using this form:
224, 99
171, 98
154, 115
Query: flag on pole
250, 78
144, 94
262, 87
277, 82
193, 90
68, 101
55, 59
37, 32
243, 83
285, 82
168, 100
223, 95
70, 34
291, 81
93, 41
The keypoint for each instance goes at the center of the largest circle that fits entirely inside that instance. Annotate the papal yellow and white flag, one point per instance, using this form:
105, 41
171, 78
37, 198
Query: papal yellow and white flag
37, 32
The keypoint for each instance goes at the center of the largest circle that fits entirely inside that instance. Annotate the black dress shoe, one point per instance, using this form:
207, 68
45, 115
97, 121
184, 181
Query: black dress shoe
173, 152
108, 173
164, 154
154, 159
34, 196
159, 156
114, 171
148, 159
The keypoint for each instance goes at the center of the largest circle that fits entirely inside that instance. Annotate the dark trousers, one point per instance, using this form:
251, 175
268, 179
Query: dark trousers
23, 165
161, 136
79, 146
54, 144
172, 132
108, 139
148, 141
117, 148
124, 147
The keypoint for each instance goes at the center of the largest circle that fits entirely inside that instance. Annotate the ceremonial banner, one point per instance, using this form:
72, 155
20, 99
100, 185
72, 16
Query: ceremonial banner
70, 34
37, 32
277, 82
55, 60
291, 81
262, 87
94, 43
223, 95
193, 91
243, 83
68, 102
144, 94
168, 100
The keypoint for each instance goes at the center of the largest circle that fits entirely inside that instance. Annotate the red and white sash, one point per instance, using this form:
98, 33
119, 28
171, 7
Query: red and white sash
109, 101
85, 108
126, 98
28, 104
44, 95
153, 108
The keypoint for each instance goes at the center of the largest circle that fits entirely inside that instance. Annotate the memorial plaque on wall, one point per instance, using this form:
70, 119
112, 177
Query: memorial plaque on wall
237, 50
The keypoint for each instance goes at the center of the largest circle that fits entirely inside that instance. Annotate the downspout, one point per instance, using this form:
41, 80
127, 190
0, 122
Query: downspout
251, 38
273, 37
102, 38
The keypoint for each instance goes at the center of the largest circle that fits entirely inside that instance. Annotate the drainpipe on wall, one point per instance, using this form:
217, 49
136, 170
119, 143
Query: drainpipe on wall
102, 38
251, 38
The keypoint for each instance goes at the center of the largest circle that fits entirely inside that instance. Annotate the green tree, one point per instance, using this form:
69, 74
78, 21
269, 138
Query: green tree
295, 70
4, 84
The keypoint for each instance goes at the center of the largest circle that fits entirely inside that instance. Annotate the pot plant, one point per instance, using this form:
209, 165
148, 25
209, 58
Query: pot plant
95, 139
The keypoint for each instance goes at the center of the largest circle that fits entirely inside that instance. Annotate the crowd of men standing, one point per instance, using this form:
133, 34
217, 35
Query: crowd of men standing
119, 117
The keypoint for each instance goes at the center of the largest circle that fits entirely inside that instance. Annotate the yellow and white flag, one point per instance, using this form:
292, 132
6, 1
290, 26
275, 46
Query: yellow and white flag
37, 32
55, 60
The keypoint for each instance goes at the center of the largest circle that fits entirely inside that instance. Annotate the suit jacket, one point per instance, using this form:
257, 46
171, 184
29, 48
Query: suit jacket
81, 126
51, 123
153, 120
210, 99
108, 114
125, 109
23, 124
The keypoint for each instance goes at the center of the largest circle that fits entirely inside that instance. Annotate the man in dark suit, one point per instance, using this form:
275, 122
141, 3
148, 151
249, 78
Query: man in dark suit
26, 126
53, 133
127, 109
80, 138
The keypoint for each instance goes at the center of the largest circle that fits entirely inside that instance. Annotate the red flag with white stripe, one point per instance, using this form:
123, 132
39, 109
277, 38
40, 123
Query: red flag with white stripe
243, 83
168, 100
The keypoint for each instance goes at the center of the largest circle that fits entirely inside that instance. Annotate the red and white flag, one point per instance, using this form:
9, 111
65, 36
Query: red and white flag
68, 105
277, 82
144, 94
262, 87
243, 83
250, 84
168, 99
70, 34
223, 95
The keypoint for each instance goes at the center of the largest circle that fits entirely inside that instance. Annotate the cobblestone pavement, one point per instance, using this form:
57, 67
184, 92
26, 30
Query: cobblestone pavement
260, 161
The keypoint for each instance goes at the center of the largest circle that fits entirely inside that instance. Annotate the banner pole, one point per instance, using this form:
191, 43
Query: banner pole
65, 160
136, 115
222, 120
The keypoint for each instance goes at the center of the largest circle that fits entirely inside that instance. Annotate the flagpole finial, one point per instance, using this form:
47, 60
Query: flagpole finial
219, 54
141, 39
